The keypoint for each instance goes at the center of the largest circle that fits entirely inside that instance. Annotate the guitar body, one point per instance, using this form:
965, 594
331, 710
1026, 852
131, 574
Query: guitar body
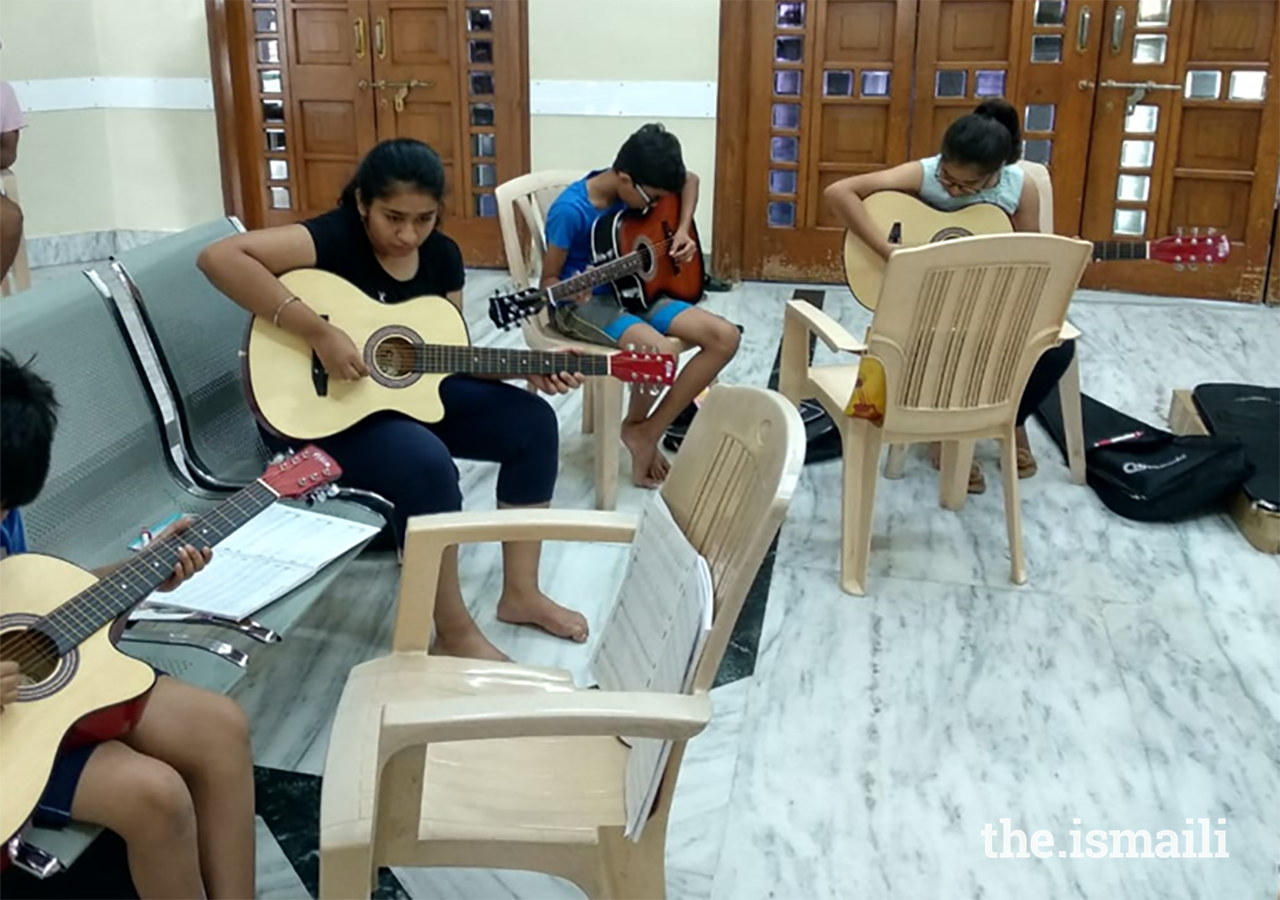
93, 693
917, 224
649, 232
281, 372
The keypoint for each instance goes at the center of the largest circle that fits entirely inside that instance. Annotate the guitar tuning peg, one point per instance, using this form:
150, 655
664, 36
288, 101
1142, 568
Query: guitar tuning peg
1211, 232
1192, 266
1195, 232
1179, 234
1177, 267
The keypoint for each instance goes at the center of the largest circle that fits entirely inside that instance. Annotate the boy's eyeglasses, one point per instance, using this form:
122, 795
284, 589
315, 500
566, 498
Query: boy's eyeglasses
644, 195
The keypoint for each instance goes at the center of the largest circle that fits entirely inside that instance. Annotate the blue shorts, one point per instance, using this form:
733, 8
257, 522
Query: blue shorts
54, 808
602, 320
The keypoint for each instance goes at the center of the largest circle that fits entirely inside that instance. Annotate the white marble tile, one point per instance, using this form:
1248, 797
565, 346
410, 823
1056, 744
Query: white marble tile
276, 878
885, 733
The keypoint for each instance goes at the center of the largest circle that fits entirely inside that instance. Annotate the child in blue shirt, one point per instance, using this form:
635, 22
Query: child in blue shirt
648, 166
178, 787
978, 164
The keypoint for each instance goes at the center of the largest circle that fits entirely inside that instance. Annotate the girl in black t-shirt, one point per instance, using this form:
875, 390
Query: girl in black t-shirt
383, 239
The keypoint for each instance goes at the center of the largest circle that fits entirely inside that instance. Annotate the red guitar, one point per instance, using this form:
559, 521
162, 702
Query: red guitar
56, 622
631, 251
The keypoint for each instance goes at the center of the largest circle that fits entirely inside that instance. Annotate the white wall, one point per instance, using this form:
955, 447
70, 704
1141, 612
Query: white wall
599, 69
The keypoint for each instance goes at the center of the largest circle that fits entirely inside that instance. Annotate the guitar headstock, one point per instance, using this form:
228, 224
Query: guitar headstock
506, 310
1180, 249
302, 473
643, 368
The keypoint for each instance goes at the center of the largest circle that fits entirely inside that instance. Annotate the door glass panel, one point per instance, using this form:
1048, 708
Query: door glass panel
875, 84
785, 149
1137, 154
481, 113
1134, 187
989, 83
1150, 49
790, 15
1037, 151
270, 79
275, 140
782, 214
1143, 119
1247, 86
782, 181
484, 175
789, 49
1131, 221
1203, 85
1050, 12
273, 110
786, 115
1039, 117
479, 19
480, 52
278, 169
838, 84
280, 198
1046, 48
481, 84
786, 82
269, 51
484, 144
486, 206
264, 21
1153, 13
950, 83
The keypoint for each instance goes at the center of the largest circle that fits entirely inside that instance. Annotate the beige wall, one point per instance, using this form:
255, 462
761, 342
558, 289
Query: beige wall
84, 170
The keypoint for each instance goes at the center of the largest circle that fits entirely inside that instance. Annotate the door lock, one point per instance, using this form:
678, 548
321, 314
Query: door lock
1137, 91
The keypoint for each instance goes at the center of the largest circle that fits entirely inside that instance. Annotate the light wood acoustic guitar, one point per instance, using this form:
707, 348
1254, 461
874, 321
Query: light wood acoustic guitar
56, 623
631, 250
409, 348
907, 221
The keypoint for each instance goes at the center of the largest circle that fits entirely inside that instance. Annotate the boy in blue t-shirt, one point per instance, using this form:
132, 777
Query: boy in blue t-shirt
648, 166
178, 787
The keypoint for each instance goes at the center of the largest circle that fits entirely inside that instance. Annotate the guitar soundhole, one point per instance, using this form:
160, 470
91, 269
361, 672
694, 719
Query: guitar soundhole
394, 357
644, 250
35, 653
950, 234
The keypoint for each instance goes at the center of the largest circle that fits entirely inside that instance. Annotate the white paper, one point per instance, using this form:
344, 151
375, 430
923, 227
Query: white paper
276, 551
653, 639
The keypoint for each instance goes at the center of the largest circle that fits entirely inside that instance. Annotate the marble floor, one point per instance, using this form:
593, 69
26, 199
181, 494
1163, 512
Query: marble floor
861, 745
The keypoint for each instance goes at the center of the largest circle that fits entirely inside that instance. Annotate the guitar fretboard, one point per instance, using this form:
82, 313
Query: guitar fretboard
629, 264
82, 615
1105, 251
440, 358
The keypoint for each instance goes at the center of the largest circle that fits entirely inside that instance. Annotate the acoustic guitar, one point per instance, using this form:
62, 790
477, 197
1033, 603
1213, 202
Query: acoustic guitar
409, 348
908, 222
631, 249
56, 623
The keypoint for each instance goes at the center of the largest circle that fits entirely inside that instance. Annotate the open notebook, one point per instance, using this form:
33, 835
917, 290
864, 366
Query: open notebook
279, 549
654, 638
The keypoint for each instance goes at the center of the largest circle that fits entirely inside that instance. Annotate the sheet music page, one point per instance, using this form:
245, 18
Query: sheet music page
275, 552
652, 637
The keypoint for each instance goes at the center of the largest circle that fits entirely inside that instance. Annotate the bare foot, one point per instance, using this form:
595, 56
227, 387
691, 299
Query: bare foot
648, 465
470, 644
542, 612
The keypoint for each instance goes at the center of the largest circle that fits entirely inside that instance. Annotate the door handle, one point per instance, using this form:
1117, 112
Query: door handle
1082, 30
380, 37
359, 29
1117, 31
1144, 85
382, 84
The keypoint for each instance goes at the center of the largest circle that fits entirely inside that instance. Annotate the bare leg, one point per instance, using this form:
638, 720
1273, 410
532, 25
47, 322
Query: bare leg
718, 342
642, 401
522, 601
205, 738
457, 634
147, 803
1026, 459
10, 234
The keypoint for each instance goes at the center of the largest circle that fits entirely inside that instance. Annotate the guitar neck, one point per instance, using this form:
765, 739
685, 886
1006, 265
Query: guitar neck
1106, 251
630, 264
444, 358
84, 614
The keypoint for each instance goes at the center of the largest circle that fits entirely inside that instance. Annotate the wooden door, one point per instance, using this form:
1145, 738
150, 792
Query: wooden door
1198, 151
1040, 55
829, 96
459, 72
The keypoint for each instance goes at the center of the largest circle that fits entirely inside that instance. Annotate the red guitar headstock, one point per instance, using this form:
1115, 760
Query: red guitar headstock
643, 368
1194, 250
301, 474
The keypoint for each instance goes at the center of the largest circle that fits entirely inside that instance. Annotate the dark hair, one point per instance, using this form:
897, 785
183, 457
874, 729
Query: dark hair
397, 160
989, 137
28, 417
652, 157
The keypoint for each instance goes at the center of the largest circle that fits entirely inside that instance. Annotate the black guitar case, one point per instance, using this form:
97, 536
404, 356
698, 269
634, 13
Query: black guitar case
1252, 415
1157, 477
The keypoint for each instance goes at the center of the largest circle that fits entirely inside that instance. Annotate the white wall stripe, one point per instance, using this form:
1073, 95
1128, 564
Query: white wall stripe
659, 99
56, 94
